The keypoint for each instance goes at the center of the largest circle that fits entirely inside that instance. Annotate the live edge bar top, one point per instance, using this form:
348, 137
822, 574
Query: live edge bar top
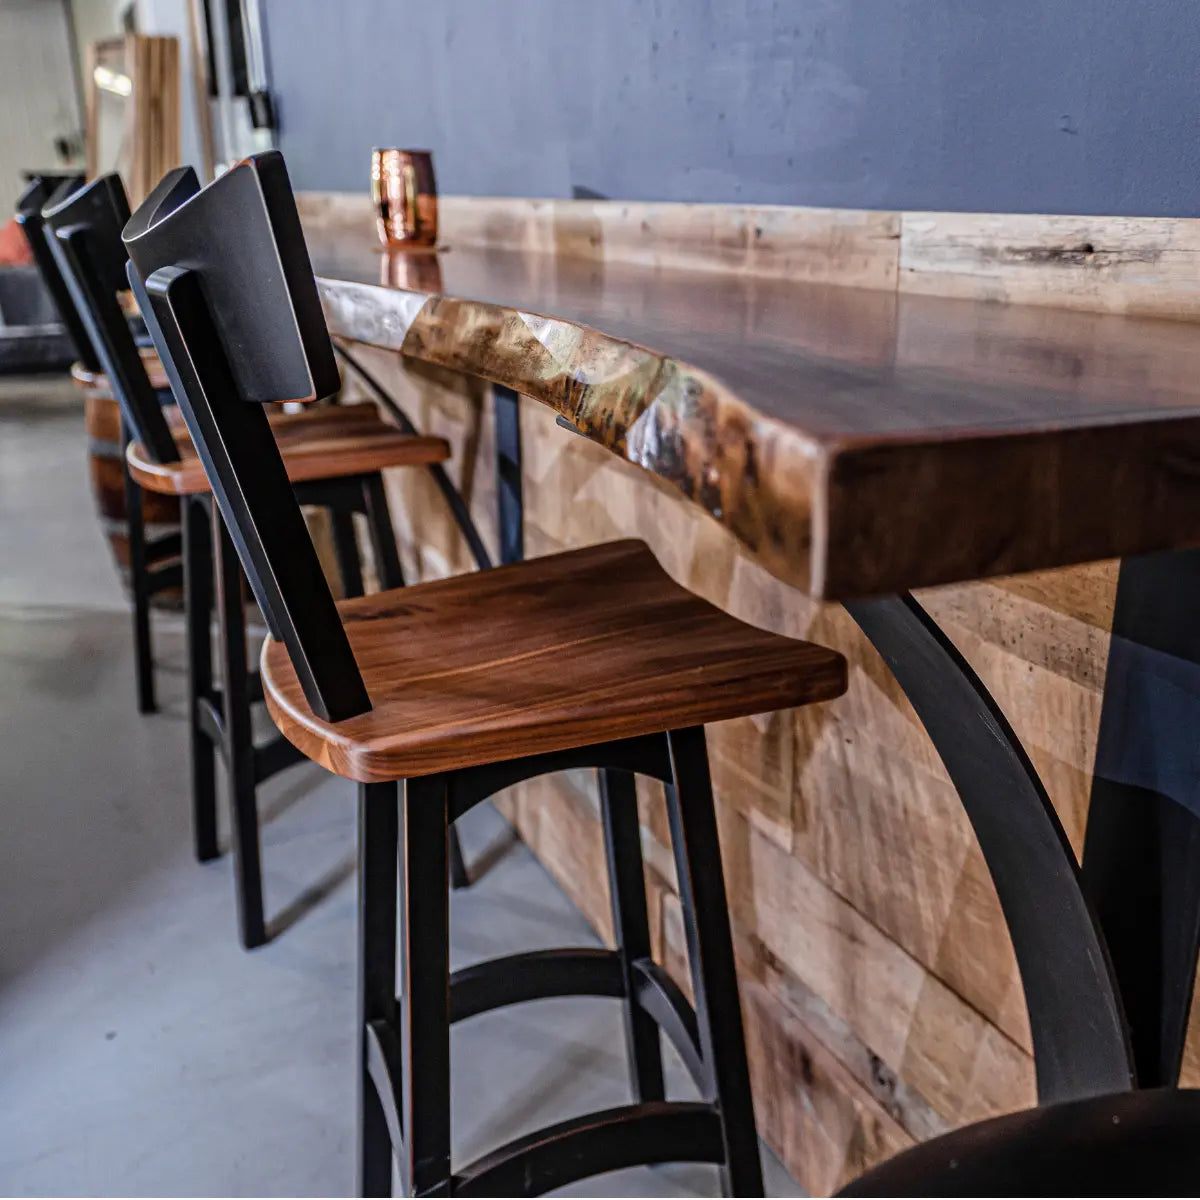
857, 442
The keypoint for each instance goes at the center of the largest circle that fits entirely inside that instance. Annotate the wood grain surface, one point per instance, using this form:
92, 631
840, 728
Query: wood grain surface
324, 443
855, 441
1143, 266
562, 651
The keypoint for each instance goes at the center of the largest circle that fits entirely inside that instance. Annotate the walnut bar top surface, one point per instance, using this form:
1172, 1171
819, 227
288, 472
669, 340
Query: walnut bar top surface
858, 442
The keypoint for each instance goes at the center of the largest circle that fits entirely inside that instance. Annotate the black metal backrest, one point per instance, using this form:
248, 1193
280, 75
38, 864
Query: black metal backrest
84, 233
227, 291
29, 217
260, 287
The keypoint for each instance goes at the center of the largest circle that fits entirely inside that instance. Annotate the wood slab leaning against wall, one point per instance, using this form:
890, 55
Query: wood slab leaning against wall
880, 990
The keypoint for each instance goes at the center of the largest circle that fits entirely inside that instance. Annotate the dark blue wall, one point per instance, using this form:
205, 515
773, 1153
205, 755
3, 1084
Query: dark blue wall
996, 105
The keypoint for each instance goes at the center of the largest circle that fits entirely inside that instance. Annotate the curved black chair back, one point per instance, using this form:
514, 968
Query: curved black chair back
227, 291
30, 203
259, 285
84, 233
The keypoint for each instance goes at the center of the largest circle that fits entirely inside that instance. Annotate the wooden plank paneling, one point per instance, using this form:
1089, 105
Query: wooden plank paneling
810, 1108
151, 145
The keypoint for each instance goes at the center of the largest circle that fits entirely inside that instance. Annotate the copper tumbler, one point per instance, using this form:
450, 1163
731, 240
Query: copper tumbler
404, 192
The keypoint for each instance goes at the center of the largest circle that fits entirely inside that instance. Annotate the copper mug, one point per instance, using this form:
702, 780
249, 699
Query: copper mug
404, 193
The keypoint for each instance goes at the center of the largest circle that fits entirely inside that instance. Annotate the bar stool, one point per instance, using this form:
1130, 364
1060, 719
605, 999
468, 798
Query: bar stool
30, 203
153, 558
1138, 1143
334, 457
458, 688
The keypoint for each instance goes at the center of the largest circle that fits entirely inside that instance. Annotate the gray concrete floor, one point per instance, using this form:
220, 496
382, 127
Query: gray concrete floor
141, 1051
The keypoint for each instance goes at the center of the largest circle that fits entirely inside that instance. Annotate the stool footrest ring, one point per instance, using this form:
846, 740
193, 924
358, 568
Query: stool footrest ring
211, 720
541, 974
386, 1073
274, 756
658, 995
657, 1131
534, 975
163, 576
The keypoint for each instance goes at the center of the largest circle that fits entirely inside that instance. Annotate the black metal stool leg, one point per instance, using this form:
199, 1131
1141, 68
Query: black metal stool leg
425, 988
710, 953
378, 830
345, 545
383, 533
460, 877
139, 580
391, 575
239, 743
631, 926
197, 583
1076, 1017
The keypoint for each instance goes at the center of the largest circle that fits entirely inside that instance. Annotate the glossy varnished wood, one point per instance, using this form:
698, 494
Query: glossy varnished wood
567, 650
855, 441
326, 443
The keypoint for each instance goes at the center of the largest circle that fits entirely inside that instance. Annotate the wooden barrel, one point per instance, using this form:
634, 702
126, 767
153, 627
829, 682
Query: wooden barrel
103, 417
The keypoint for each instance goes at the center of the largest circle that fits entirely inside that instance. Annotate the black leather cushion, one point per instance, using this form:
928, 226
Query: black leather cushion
1131, 1144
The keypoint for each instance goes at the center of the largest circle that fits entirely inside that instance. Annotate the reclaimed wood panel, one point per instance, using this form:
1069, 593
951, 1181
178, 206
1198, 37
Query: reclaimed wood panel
153, 117
1144, 266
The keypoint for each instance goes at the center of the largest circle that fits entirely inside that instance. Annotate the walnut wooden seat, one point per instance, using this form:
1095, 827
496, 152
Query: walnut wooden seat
457, 689
317, 444
568, 650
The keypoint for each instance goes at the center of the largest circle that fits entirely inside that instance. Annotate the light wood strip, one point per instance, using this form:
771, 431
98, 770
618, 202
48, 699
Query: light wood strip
1134, 265
809, 1107
1144, 266
849, 246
